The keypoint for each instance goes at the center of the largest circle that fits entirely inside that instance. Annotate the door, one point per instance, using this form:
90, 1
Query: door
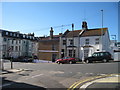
86, 52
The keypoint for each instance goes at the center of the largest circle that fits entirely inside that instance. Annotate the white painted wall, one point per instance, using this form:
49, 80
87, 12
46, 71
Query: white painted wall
1, 39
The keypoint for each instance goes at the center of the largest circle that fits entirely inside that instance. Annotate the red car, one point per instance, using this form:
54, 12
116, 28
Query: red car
69, 60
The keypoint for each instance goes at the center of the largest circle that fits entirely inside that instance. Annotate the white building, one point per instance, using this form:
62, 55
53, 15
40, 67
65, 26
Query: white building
15, 44
115, 46
83, 43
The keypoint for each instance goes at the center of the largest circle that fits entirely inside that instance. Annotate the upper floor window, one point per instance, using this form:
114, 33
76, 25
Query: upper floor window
12, 41
64, 42
19, 41
16, 42
17, 35
14, 34
86, 41
71, 41
23, 36
10, 34
97, 41
5, 39
6, 33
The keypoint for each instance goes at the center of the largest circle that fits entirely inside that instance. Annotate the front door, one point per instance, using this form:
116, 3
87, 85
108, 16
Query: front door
86, 52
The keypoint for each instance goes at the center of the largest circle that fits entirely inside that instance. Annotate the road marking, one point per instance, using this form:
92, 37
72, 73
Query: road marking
37, 75
34, 76
108, 79
73, 86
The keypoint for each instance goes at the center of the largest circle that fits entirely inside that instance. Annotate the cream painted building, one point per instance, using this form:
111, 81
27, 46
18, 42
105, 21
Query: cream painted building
15, 44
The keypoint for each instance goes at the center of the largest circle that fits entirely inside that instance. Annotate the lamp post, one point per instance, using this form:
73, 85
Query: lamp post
1, 60
102, 32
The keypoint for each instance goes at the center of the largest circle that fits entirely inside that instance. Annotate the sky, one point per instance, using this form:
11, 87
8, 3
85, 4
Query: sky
38, 17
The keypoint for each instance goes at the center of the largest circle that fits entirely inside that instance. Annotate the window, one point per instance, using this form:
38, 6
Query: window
17, 35
16, 48
12, 41
19, 41
71, 42
4, 47
16, 42
97, 41
6, 33
19, 48
12, 48
23, 36
74, 54
86, 41
14, 34
10, 34
64, 42
5, 39
70, 53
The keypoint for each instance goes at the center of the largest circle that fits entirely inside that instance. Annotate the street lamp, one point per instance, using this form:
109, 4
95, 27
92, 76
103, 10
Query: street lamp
1, 60
102, 32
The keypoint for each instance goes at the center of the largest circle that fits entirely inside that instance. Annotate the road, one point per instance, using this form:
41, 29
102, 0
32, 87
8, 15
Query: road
51, 75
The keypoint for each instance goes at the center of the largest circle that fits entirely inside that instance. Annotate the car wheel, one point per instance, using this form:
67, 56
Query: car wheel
58, 62
70, 62
87, 61
104, 60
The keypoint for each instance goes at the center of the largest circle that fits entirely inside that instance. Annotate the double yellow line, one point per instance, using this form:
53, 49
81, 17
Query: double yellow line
73, 86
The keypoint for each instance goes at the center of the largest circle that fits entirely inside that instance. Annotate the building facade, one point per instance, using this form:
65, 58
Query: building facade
115, 46
48, 47
15, 44
83, 43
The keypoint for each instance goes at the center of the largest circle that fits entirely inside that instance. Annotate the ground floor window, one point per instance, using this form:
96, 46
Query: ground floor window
72, 53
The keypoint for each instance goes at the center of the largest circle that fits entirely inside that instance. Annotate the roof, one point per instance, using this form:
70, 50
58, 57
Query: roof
55, 37
74, 33
94, 32
88, 32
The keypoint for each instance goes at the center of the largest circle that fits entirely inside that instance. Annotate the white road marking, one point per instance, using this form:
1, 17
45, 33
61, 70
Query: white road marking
37, 75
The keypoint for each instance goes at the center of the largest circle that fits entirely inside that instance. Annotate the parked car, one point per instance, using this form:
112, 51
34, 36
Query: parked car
63, 60
99, 56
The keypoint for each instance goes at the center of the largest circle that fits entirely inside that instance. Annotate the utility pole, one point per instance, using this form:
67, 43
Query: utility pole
1, 60
73, 40
102, 32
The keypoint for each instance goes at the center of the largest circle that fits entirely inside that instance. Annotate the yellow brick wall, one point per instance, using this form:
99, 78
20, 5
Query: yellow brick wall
47, 45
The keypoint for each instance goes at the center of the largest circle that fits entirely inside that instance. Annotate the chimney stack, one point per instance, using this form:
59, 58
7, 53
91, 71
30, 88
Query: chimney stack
51, 33
84, 25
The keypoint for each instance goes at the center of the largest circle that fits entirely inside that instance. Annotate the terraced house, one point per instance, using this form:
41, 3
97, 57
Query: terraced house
83, 43
15, 44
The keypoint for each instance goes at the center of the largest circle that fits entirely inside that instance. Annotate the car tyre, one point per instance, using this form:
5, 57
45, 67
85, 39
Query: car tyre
70, 62
58, 62
87, 61
104, 60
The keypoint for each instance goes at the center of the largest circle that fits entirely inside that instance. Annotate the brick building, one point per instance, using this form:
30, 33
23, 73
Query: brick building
48, 47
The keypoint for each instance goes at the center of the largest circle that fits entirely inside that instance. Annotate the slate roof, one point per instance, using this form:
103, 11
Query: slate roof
88, 32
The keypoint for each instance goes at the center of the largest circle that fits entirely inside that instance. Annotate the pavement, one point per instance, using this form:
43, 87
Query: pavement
11, 71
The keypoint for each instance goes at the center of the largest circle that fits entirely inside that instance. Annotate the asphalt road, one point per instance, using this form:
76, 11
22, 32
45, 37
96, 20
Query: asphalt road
54, 76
